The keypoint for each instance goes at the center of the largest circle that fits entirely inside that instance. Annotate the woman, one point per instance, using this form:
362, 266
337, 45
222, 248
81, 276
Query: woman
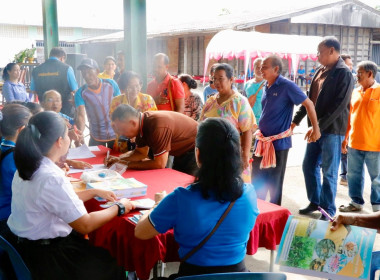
234, 107
201, 205
48, 218
15, 118
193, 103
109, 68
210, 90
130, 86
13, 89
254, 89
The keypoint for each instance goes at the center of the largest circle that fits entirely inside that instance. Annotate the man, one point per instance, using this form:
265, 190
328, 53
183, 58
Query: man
364, 139
301, 74
278, 100
55, 74
163, 133
94, 98
330, 91
343, 157
167, 92
120, 63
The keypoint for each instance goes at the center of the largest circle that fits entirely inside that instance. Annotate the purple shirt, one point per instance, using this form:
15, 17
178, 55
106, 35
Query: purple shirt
15, 92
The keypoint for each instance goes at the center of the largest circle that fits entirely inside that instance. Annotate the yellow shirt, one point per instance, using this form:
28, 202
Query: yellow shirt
143, 103
365, 119
104, 75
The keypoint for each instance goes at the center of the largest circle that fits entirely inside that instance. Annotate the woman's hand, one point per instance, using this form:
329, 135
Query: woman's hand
109, 195
129, 205
78, 164
159, 196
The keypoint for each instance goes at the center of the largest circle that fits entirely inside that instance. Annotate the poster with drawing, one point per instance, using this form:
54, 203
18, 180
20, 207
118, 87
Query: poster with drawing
309, 247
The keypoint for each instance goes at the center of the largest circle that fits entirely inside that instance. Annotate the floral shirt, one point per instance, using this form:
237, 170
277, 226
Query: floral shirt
193, 106
143, 103
236, 109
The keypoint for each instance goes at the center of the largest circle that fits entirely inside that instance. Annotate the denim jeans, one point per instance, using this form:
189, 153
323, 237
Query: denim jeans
355, 176
323, 154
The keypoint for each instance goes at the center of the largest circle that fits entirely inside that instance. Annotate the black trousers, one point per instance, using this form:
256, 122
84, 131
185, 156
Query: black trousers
70, 257
270, 179
186, 163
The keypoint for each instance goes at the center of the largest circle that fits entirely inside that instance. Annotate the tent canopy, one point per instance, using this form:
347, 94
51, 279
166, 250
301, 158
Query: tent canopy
231, 44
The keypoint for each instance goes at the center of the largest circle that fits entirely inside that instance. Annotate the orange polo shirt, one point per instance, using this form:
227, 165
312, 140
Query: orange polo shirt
365, 119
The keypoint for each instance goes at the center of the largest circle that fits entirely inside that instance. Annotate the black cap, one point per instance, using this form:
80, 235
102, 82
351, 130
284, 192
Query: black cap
88, 63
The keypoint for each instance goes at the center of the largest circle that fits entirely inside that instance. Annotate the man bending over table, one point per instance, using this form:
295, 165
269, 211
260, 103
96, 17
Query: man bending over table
158, 135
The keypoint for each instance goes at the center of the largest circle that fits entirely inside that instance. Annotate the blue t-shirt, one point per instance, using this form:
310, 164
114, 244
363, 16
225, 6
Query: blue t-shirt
193, 218
301, 71
278, 102
207, 92
250, 89
15, 92
70, 79
7, 169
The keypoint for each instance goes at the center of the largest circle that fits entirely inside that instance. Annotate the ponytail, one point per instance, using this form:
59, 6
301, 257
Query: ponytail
6, 69
36, 140
191, 83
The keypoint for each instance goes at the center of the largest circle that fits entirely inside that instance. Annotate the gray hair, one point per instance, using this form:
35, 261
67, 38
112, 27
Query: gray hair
257, 61
368, 66
276, 61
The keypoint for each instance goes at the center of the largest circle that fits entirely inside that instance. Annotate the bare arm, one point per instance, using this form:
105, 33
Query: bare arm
91, 193
136, 155
314, 133
91, 221
246, 142
81, 118
362, 220
180, 105
156, 163
144, 229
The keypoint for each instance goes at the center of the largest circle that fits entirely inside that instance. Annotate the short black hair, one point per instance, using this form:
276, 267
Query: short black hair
57, 52
15, 116
186, 78
124, 112
331, 42
227, 68
126, 77
368, 66
212, 69
275, 61
218, 142
164, 56
36, 140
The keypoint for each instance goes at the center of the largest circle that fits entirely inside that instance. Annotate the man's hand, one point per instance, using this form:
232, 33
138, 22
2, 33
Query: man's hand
342, 220
312, 135
108, 161
344, 146
292, 126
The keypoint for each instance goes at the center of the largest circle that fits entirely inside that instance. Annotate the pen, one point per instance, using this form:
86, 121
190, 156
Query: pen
324, 213
108, 154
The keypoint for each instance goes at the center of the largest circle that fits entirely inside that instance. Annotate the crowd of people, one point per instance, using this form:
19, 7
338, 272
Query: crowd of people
235, 146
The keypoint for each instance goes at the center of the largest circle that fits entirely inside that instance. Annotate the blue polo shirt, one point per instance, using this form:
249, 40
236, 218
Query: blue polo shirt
7, 169
278, 103
192, 217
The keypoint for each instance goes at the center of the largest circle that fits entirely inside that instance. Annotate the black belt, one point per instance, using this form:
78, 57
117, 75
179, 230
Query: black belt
44, 242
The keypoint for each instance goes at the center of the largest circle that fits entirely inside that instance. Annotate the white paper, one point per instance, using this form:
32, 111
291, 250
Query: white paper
94, 148
94, 168
80, 152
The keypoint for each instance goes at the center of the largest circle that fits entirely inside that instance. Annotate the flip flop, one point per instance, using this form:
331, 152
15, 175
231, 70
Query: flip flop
349, 208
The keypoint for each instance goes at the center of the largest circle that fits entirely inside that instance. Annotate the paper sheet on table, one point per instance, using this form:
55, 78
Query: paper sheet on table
94, 148
80, 152
94, 168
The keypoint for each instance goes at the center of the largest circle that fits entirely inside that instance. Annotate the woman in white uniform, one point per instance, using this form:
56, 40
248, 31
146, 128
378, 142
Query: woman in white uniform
48, 219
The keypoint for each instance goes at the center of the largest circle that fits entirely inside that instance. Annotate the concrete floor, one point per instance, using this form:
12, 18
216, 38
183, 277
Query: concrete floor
294, 198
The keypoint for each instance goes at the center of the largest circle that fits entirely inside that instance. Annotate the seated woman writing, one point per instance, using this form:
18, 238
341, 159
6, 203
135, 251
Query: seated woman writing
48, 218
218, 187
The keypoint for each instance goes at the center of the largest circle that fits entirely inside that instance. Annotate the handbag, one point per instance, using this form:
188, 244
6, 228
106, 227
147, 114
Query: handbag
203, 242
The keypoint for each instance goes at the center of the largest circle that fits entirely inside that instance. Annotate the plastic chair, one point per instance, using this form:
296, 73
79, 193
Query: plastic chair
237, 276
375, 264
21, 270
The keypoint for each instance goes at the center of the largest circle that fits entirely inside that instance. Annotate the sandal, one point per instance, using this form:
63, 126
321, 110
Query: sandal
349, 208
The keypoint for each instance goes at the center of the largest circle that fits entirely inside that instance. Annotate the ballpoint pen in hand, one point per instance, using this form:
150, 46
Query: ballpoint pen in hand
324, 213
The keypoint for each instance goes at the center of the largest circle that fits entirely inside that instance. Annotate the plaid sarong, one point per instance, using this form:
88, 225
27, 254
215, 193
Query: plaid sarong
264, 147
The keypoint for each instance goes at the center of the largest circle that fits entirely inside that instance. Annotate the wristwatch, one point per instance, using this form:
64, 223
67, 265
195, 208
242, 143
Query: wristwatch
121, 210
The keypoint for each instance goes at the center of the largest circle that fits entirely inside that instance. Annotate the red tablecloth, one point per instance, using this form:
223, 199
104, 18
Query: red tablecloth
137, 255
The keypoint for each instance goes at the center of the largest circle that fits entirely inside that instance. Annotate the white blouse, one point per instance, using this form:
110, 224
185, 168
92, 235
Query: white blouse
43, 206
